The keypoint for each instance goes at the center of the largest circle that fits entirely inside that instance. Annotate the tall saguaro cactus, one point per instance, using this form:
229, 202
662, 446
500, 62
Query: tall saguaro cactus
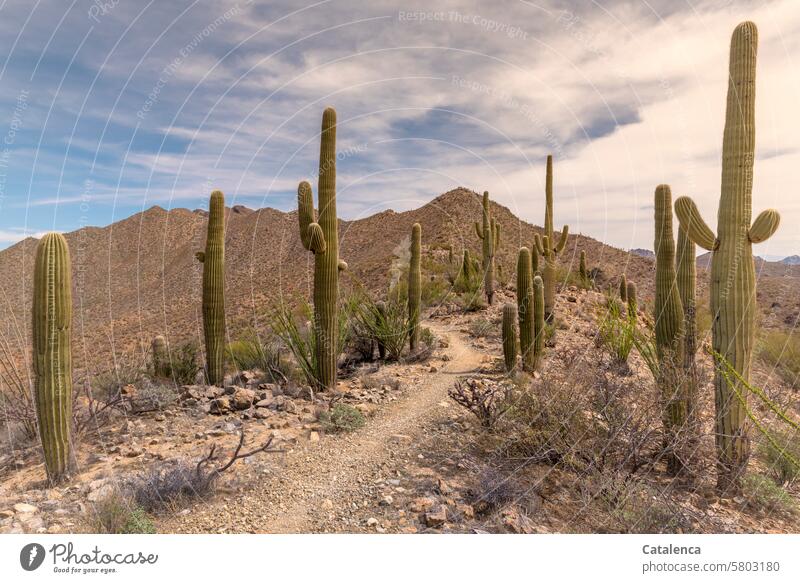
669, 326
52, 354
213, 260
320, 235
489, 233
525, 308
548, 247
510, 336
733, 284
414, 286
686, 269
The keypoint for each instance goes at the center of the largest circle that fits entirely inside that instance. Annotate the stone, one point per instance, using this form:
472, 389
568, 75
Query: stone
372, 521
386, 501
436, 517
24, 508
422, 504
220, 405
265, 403
466, 510
243, 399
313, 437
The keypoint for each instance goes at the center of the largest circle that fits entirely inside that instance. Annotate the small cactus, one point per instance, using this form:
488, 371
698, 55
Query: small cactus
539, 325
52, 354
525, 308
583, 272
510, 336
213, 260
414, 286
489, 233
161, 367
633, 306
623, 288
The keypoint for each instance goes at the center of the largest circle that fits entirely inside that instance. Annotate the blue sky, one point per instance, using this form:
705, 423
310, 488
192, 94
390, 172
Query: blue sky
109, 107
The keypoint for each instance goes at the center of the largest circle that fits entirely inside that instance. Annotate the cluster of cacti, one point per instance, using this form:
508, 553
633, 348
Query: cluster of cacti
489, 233
510, 336
414, 286
320, 235
213, 260
733, 285
530, 311
668, 326
548, 247
52, 354
161, 367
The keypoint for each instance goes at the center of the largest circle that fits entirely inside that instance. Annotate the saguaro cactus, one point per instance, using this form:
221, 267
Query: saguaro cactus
414, 286
623, 288
510, 336
52, 354
633, 305
538, 321
320, 235
583, 272
547, 246
161, 366
686, 269
213, 260
525, 305
489, 233
733, 285
669, 326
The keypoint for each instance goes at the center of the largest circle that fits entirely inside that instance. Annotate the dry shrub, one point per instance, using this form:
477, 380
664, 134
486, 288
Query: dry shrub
487, 400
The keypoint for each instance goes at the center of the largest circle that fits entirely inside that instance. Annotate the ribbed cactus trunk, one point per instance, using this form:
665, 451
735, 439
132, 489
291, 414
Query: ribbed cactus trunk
213, 260
321, 236
733, 284
669, 329
539, 329
52, 354
161, 367
548, 248
630, 298
414, 286
582, 271
510, 336
623, 288
686, 269
489, 233
525, 308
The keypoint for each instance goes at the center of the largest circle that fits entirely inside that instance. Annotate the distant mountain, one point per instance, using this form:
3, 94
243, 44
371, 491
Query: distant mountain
643, 253
791, 260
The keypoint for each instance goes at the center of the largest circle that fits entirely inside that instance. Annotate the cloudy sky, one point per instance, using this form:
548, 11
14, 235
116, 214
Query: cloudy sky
112, 106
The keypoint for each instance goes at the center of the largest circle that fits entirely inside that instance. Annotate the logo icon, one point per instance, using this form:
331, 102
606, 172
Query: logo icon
31, 556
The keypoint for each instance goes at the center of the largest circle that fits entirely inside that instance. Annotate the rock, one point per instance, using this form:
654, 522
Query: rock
265, 403
220, 405
289, 406
466, 510
327, 504
433, 369
243, 399
32, 522
436, 517
516, 522
23, 508
292, 390
262, 414
422, 504
313, 437
373, 522
6, 514
572, 299
386, 501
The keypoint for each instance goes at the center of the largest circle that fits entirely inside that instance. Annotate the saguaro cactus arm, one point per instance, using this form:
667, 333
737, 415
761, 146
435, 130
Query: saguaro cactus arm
764, 226
562, 241
537, 243
305, 213
692, 222
316, 239
479, 230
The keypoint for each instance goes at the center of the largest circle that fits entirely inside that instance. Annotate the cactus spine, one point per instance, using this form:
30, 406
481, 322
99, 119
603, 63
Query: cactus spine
547, 246
213, 260
687, 276
161, 366
733, 285
538, 321
669, 326
510, 336
52, 354
489, 233
525, 305
320, 235
414, 286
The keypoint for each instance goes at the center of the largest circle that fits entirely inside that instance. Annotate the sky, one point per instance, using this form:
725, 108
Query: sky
109, 107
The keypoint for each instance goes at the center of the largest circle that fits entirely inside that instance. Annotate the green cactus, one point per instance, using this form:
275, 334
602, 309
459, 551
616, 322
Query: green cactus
623, 288
213, 260
320, 235
534, 258
630, 297
583, 273
52, 354
539, 329
548, 248
489, 233
161, 366
414, 286
450, 257
733, 285
525, 308
686, 269
669, 326
510, 336
380, 316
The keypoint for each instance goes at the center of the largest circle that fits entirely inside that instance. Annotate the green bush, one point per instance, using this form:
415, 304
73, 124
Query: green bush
616, 332
388, 327
482, 328
184, 363
764, 496
781, 466
252, 353
341, 418
115, 514
781, 351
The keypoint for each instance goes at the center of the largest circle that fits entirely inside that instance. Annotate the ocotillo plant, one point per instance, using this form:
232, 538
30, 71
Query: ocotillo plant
525, 305
669, 327
733, 285
52, 354
320, 235
161, 366
686, 269
414, 286
633, 305
510, 336
489, 233
213, 260
538, 321
623, 288
547, 246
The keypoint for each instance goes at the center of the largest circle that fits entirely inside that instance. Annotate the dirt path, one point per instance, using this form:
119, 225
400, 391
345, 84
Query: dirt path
315, 489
